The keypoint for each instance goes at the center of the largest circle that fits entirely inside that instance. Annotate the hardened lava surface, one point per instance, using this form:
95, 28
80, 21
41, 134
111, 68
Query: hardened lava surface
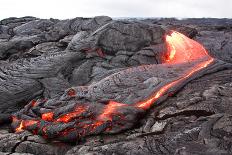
103, 86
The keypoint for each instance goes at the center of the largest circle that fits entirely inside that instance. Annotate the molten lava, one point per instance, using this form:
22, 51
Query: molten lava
24, 124
148, 103
68, 117
109, 110
180, 50
48, 116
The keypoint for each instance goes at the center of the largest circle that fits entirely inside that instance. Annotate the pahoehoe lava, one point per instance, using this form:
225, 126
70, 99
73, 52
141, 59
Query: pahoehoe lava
115, 86
70, 120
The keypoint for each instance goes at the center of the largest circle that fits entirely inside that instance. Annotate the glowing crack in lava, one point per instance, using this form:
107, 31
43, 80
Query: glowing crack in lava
82, 120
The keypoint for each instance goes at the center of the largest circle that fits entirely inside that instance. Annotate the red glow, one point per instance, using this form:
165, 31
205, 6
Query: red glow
69, 116
14, 119
25, 123
147, 103
109, 110
97, 124
48, 116
33, 103
71, 92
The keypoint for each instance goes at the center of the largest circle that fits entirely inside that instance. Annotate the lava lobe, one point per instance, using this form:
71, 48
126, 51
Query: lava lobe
75, 118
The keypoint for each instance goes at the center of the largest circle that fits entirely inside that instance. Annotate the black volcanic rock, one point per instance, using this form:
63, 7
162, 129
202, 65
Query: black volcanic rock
118, 36
27, 33
44, 60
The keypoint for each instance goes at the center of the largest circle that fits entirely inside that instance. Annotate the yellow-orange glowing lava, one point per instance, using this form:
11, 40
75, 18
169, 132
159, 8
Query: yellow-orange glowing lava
20, 127
109, 110
48, 116
182, 49
69, 116
147, 103
25, 123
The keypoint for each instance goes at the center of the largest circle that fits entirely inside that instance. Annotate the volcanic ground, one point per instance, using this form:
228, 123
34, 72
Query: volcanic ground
106, 86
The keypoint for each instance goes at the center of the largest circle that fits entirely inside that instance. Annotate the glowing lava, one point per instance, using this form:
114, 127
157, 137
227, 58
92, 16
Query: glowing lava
48, 116
24, 124
19, 128
71, 92
180, 50
69, 116
149, 102
109, 110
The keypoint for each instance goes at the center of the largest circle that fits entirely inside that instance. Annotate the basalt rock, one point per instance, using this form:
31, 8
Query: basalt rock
29, 32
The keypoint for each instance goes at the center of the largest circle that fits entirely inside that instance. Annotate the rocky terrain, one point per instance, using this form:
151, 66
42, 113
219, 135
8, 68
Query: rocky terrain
51, 65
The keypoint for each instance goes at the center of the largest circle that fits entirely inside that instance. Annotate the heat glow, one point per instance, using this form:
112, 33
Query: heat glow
69, 116
182, 49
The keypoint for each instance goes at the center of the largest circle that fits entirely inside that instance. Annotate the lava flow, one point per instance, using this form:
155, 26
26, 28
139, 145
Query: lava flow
180, 50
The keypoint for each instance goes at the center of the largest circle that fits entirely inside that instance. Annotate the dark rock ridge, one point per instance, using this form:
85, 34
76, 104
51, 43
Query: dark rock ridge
49, 58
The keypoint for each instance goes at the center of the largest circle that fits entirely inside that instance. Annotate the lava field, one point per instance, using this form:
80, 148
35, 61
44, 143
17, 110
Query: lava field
105, 86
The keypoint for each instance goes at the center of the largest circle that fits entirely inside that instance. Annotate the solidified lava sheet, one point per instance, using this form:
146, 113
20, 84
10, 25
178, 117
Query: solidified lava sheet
116, 102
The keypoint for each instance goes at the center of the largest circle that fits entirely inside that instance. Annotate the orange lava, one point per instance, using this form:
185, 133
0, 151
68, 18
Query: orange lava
109, 110
27, 123
19, 128
97, 124
182, 49
24, 124
48, 116
147, 103
69, 116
